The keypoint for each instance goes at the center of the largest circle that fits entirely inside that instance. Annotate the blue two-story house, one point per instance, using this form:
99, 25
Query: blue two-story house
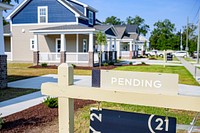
56, 31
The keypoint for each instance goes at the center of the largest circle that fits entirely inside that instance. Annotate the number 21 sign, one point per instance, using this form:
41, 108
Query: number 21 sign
110, 121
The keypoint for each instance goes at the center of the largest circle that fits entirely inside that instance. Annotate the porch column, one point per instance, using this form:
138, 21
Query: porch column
36, 51
118, 49
91, 50
63, 49
109, 50
3, 57
115, 49
134, 50
131, 49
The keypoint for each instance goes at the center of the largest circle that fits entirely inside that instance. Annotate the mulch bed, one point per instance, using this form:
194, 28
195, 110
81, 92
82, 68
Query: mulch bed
77, 67
36, 116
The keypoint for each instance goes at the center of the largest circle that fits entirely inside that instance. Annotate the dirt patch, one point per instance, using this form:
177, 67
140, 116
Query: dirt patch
45, 67
36, 117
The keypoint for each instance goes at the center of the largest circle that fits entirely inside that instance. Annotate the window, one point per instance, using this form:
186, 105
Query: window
58, 45
32, 44
91, 17
42, 14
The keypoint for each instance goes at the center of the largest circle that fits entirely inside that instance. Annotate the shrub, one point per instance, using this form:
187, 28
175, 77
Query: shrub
111, 63
44, 64
143, 63
51, 102
105, 64
130, 63
1, 121
74, 65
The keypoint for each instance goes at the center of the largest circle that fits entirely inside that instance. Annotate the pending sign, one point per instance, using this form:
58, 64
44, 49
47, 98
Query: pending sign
110, 121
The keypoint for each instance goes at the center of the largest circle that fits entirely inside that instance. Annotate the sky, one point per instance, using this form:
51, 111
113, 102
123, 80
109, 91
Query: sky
152, 11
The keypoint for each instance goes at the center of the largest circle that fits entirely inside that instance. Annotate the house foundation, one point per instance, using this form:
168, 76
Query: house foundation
3, 71
91, 59
36, 58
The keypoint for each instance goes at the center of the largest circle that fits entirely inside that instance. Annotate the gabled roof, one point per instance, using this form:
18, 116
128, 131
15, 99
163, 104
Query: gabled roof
104, 28
64, 2
127, 31
84, 5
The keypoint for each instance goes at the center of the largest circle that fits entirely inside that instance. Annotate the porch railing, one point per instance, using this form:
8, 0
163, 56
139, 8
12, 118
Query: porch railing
8, 55
77, 57
49, 57
125, 54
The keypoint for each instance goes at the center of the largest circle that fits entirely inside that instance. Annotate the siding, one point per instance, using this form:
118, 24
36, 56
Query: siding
83, 21
110, 32
56, 12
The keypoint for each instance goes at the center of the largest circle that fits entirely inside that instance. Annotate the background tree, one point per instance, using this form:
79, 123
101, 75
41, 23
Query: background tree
9, 1
113, 20
137, 20
162, 37
5, 22
101, 40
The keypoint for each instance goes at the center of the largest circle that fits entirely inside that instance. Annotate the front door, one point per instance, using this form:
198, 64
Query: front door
85, 45
58, 47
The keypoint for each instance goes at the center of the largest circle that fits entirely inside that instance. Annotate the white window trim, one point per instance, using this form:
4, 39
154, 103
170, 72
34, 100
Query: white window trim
86, 45
91, 13
40, 7
32, 44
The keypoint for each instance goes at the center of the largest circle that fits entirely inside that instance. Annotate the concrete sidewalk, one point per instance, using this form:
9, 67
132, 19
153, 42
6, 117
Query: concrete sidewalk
191, 68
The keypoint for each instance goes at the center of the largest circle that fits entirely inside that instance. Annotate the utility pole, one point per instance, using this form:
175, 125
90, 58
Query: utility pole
181, 47
187, 48
198, 43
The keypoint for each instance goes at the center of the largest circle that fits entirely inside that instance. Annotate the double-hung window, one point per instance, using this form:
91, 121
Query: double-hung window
91, 17
42, 14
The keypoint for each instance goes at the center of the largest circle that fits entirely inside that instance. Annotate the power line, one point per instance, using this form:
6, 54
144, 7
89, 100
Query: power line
196, 14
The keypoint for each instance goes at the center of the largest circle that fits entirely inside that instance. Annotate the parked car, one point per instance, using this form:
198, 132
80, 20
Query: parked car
180, 54
194, 54
154, 53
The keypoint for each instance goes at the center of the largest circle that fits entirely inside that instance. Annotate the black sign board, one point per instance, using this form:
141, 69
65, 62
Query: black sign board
110, 121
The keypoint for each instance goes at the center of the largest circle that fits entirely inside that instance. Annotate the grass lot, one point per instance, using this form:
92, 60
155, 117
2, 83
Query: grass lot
17, 71
184, 76
9, 93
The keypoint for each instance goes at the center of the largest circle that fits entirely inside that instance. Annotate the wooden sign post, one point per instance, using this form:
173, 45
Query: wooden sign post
66, 92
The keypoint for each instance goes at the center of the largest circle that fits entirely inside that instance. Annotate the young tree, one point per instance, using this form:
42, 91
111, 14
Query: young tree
140, 22
4, 21
113, 20
101, 40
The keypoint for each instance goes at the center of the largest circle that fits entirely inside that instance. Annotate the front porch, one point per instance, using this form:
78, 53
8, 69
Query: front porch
75, 46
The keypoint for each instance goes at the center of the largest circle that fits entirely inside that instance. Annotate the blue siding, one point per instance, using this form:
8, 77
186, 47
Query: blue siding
56, 12
77, 6
110, 32
83, 21
94, 16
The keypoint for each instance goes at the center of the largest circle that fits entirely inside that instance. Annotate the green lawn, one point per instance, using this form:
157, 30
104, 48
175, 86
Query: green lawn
9, 93
183, 117
20, 71
184, 76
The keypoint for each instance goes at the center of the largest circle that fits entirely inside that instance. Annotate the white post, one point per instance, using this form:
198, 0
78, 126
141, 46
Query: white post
65, 105
131, 46
2, 47
115, 43
118, 49
63, 43
91, 41
36, 48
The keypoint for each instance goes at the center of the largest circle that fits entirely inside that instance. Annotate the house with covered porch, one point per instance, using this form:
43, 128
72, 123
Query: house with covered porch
57, 31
